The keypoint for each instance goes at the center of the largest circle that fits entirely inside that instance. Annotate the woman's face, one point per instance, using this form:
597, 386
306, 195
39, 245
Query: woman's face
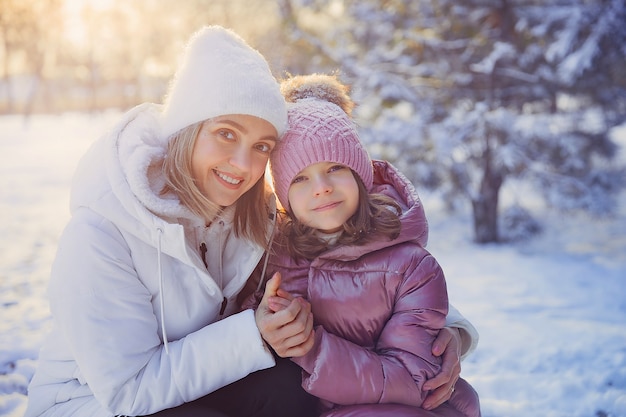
324, 196
230, 155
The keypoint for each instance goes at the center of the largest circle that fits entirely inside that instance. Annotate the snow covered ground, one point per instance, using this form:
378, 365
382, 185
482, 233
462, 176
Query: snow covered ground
551, 312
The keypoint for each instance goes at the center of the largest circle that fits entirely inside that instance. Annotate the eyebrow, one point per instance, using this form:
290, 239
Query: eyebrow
243, 128
234, 124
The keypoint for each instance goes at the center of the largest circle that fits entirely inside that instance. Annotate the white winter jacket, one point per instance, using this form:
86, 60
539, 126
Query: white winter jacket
137, 325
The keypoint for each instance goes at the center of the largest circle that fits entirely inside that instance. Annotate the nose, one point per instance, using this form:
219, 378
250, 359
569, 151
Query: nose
322, 186
241, 159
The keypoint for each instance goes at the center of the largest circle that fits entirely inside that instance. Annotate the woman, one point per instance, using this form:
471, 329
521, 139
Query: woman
169, 217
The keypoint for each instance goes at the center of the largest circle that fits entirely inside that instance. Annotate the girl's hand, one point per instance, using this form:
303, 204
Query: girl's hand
448, 346
289, 331
280, 301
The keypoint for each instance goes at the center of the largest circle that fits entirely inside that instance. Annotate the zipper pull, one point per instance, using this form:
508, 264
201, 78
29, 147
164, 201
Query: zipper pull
203, 250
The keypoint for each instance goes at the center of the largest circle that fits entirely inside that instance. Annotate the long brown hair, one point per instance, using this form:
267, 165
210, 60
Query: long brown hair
377, 216
251, 209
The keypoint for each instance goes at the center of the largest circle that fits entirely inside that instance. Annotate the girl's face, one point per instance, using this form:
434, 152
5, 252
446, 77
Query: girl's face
230, 155
324, 196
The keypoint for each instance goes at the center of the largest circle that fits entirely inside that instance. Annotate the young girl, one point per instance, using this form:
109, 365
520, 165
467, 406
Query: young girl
351, 242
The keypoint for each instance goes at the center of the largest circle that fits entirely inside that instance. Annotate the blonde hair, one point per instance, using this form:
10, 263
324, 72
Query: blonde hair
251, 209
376, 216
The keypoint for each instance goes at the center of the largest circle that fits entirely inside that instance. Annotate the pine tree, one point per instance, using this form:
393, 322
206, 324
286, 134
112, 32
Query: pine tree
466, 95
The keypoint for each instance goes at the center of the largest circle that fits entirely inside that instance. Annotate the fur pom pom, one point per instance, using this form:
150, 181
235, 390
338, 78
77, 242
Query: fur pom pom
319, 86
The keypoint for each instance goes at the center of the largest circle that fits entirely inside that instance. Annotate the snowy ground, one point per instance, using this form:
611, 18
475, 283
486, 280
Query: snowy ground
551, 312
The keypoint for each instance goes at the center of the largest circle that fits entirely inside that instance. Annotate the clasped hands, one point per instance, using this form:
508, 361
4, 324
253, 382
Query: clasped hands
286, 324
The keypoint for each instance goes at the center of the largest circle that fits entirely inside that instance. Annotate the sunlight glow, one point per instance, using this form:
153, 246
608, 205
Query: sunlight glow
76, 25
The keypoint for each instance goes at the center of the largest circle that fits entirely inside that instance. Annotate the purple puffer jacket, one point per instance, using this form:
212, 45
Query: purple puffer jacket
377, 309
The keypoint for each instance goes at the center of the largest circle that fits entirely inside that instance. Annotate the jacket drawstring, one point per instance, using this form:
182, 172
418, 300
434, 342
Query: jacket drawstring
161, 298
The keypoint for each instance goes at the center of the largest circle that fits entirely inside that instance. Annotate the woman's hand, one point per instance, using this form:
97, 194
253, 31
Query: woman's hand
448, 346
289, 331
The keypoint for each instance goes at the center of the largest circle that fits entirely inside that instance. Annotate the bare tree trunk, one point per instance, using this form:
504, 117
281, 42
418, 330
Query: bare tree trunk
485, 206
93, 84
29, 106
7, 78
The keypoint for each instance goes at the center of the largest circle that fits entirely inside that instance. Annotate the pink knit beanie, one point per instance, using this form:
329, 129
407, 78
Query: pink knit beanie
318, 130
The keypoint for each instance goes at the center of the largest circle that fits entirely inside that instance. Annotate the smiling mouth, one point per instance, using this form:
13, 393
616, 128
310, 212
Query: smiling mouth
227, 178
327, 206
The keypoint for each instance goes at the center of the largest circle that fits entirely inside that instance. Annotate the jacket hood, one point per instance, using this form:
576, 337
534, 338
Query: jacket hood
120, 178
392, 183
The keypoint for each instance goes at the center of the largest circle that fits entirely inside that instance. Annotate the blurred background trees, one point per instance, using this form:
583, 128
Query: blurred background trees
60, 55
464, 97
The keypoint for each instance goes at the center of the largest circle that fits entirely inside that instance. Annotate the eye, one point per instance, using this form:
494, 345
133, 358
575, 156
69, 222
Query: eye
298, 179
264, 147
334, 168
226, 134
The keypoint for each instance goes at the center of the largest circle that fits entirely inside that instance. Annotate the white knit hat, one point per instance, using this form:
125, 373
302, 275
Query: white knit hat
221, 74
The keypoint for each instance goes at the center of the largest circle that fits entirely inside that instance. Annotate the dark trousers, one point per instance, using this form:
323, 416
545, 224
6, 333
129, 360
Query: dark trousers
273, 392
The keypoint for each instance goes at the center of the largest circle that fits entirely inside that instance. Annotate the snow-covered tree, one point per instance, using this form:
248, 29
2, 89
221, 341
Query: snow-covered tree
465, 95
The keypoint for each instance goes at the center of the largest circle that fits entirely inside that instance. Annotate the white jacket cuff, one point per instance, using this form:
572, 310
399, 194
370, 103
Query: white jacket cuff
469, 334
